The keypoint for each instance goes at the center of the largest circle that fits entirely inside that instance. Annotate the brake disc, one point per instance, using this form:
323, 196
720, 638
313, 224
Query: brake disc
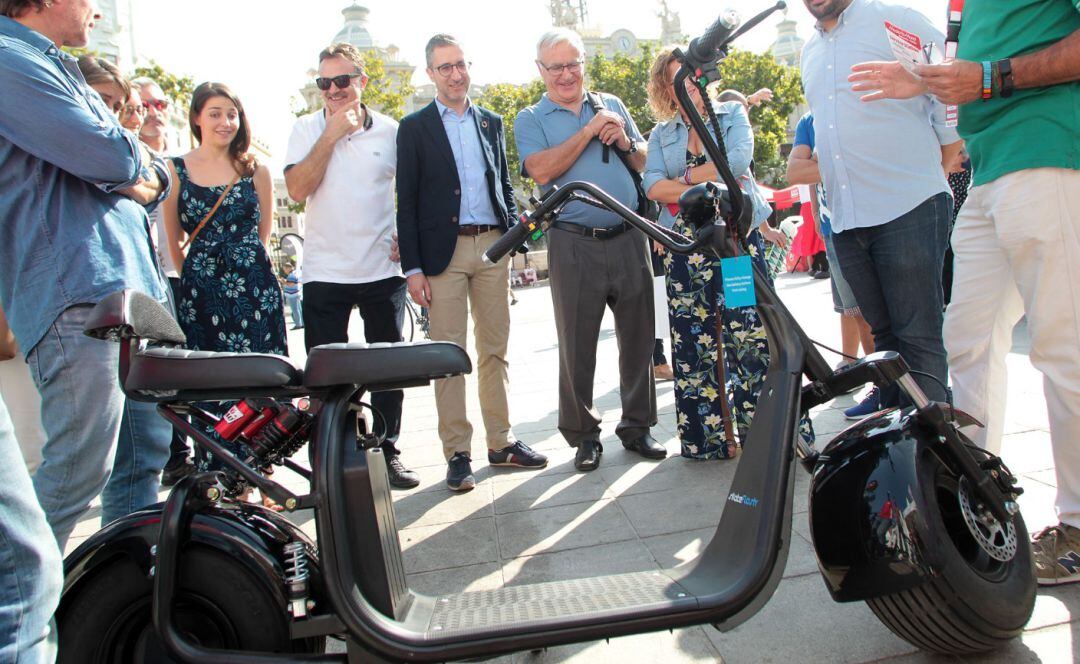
998, 541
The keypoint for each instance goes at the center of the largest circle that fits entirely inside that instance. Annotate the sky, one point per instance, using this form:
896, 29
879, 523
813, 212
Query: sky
263, 49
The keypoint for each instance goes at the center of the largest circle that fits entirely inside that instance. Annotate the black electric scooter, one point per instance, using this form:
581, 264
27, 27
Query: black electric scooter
906, 513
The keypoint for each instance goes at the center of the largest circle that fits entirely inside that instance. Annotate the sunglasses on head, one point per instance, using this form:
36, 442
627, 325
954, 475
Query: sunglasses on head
156, 104
342, 81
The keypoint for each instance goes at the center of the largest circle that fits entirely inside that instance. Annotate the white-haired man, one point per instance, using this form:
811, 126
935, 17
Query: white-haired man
596, 258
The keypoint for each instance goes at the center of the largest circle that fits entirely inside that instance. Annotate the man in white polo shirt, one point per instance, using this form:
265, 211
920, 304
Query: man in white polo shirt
342, 160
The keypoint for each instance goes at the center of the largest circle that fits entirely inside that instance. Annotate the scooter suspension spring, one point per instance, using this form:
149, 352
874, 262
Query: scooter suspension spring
296, 577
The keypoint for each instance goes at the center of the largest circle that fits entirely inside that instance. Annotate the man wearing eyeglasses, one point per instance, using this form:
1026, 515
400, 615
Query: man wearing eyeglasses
596, 259
341, 160
454, 201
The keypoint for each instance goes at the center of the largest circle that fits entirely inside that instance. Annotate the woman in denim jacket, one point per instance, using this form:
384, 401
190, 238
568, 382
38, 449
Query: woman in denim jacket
677, 161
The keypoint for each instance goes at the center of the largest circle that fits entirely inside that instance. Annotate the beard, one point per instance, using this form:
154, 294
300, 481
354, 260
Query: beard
828, 9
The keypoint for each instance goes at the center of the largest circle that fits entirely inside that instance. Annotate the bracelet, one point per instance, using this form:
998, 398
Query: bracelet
987, 88
686, 176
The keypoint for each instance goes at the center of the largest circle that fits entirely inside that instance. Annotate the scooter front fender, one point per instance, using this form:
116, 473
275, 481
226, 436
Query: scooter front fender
867, 508
250, 535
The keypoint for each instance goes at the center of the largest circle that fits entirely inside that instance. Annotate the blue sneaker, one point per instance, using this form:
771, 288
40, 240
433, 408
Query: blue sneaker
459, 475
518, 455
871, 403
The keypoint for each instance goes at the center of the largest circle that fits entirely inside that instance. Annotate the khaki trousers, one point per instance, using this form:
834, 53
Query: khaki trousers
1017, 247
468, 283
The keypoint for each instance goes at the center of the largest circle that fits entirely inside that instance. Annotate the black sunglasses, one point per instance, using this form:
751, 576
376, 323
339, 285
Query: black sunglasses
342, 81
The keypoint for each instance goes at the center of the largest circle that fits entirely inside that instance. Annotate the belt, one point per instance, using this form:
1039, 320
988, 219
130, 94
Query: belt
589, 231
476, 229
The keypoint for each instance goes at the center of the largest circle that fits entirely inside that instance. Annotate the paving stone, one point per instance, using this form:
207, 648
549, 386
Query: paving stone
537, 491
646, 477
428, 508
674, 510
448, 546
560, 528
485, 576
682, 646
604, 559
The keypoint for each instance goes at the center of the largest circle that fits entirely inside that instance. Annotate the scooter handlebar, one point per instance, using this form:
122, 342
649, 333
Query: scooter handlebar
705, 49
510, 240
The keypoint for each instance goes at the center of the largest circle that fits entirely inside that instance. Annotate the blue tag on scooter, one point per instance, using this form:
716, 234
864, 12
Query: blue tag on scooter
738, 276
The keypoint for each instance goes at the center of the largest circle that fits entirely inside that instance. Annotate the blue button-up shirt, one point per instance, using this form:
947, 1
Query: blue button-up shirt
879, 159
65, 237
547, 124
471, 169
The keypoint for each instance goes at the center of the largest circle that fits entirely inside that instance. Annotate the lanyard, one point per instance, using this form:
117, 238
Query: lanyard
952, 32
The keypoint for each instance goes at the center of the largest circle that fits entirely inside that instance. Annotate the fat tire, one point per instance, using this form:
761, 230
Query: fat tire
959, 610
91, 610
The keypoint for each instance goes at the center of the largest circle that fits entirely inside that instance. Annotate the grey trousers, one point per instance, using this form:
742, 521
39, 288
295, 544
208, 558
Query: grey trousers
586, 276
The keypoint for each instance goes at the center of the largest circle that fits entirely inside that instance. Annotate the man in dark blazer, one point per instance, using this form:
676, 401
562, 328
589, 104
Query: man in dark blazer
454, 201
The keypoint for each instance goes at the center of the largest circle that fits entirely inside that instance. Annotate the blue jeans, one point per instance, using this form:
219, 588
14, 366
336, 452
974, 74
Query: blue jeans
141, 452
31, 570
894, 271
81, 407
295, 309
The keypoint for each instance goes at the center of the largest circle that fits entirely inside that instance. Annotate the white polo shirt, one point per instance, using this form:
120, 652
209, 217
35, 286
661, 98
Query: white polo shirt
350, 217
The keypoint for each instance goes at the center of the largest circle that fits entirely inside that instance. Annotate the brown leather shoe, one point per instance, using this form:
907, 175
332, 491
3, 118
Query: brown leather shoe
662, 372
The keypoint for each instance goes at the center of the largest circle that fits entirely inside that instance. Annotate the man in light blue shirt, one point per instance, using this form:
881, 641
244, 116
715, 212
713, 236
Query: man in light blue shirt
454, 201
882, 166
595, 259
73, 184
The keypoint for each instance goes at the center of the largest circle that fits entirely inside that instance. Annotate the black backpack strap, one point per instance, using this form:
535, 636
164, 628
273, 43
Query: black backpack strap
597, 104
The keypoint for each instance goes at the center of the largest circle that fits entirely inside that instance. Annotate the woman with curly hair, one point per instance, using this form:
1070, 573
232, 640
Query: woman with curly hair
695, 296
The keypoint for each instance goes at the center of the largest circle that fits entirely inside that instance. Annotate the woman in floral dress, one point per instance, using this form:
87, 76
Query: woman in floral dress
676, 161
230, 299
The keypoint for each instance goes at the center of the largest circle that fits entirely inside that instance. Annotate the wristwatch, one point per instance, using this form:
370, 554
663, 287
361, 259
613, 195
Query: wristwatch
1007, 82
633, 147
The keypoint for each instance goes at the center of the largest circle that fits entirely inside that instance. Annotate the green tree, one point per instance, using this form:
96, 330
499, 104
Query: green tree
507, 100
627, 78
176, 88
385, 92
748, 72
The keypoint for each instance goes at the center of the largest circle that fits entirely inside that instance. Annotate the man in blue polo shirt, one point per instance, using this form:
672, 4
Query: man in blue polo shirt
595, 258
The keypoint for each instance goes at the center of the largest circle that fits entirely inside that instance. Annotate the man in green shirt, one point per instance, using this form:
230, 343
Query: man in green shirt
1016, 79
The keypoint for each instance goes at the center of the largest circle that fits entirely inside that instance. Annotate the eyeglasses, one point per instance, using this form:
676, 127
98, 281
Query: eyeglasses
158, 105
342, 81
448, 68
132, 109
557, 70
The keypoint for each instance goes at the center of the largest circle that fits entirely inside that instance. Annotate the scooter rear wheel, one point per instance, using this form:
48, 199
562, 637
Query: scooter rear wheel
220, 604
984, 590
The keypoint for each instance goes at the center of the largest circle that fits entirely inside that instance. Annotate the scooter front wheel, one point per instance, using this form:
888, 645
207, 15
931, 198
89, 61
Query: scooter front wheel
220, 605
983, 591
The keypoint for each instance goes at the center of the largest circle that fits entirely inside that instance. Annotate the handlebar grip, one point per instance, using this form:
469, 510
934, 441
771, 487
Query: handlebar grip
511, 239
704, 48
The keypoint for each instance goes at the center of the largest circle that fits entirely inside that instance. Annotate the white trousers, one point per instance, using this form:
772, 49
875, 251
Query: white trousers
23, 402
1017, 248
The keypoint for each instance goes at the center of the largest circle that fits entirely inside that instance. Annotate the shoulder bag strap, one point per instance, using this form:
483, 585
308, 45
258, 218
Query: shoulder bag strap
220, 200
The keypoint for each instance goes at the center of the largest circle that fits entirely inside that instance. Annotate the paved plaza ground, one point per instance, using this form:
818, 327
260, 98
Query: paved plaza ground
520, 527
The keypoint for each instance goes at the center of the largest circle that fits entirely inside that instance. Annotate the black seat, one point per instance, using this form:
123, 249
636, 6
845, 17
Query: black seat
385, 365
167, 369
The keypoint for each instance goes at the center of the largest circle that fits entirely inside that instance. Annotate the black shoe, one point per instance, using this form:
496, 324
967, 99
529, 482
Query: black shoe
459, 475
518, 455
174, 472
588, 455
646, 446
400, 476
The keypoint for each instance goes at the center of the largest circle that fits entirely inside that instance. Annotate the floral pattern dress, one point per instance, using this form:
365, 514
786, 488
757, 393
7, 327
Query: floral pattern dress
695, 294
230, 299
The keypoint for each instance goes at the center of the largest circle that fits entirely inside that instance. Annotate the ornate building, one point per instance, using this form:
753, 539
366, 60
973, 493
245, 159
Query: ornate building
621, 41
112, 37
787, 49
355, 32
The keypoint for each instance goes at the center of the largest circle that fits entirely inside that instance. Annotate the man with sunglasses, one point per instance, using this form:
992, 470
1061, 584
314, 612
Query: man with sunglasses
596, 259
454, 201
341, 160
